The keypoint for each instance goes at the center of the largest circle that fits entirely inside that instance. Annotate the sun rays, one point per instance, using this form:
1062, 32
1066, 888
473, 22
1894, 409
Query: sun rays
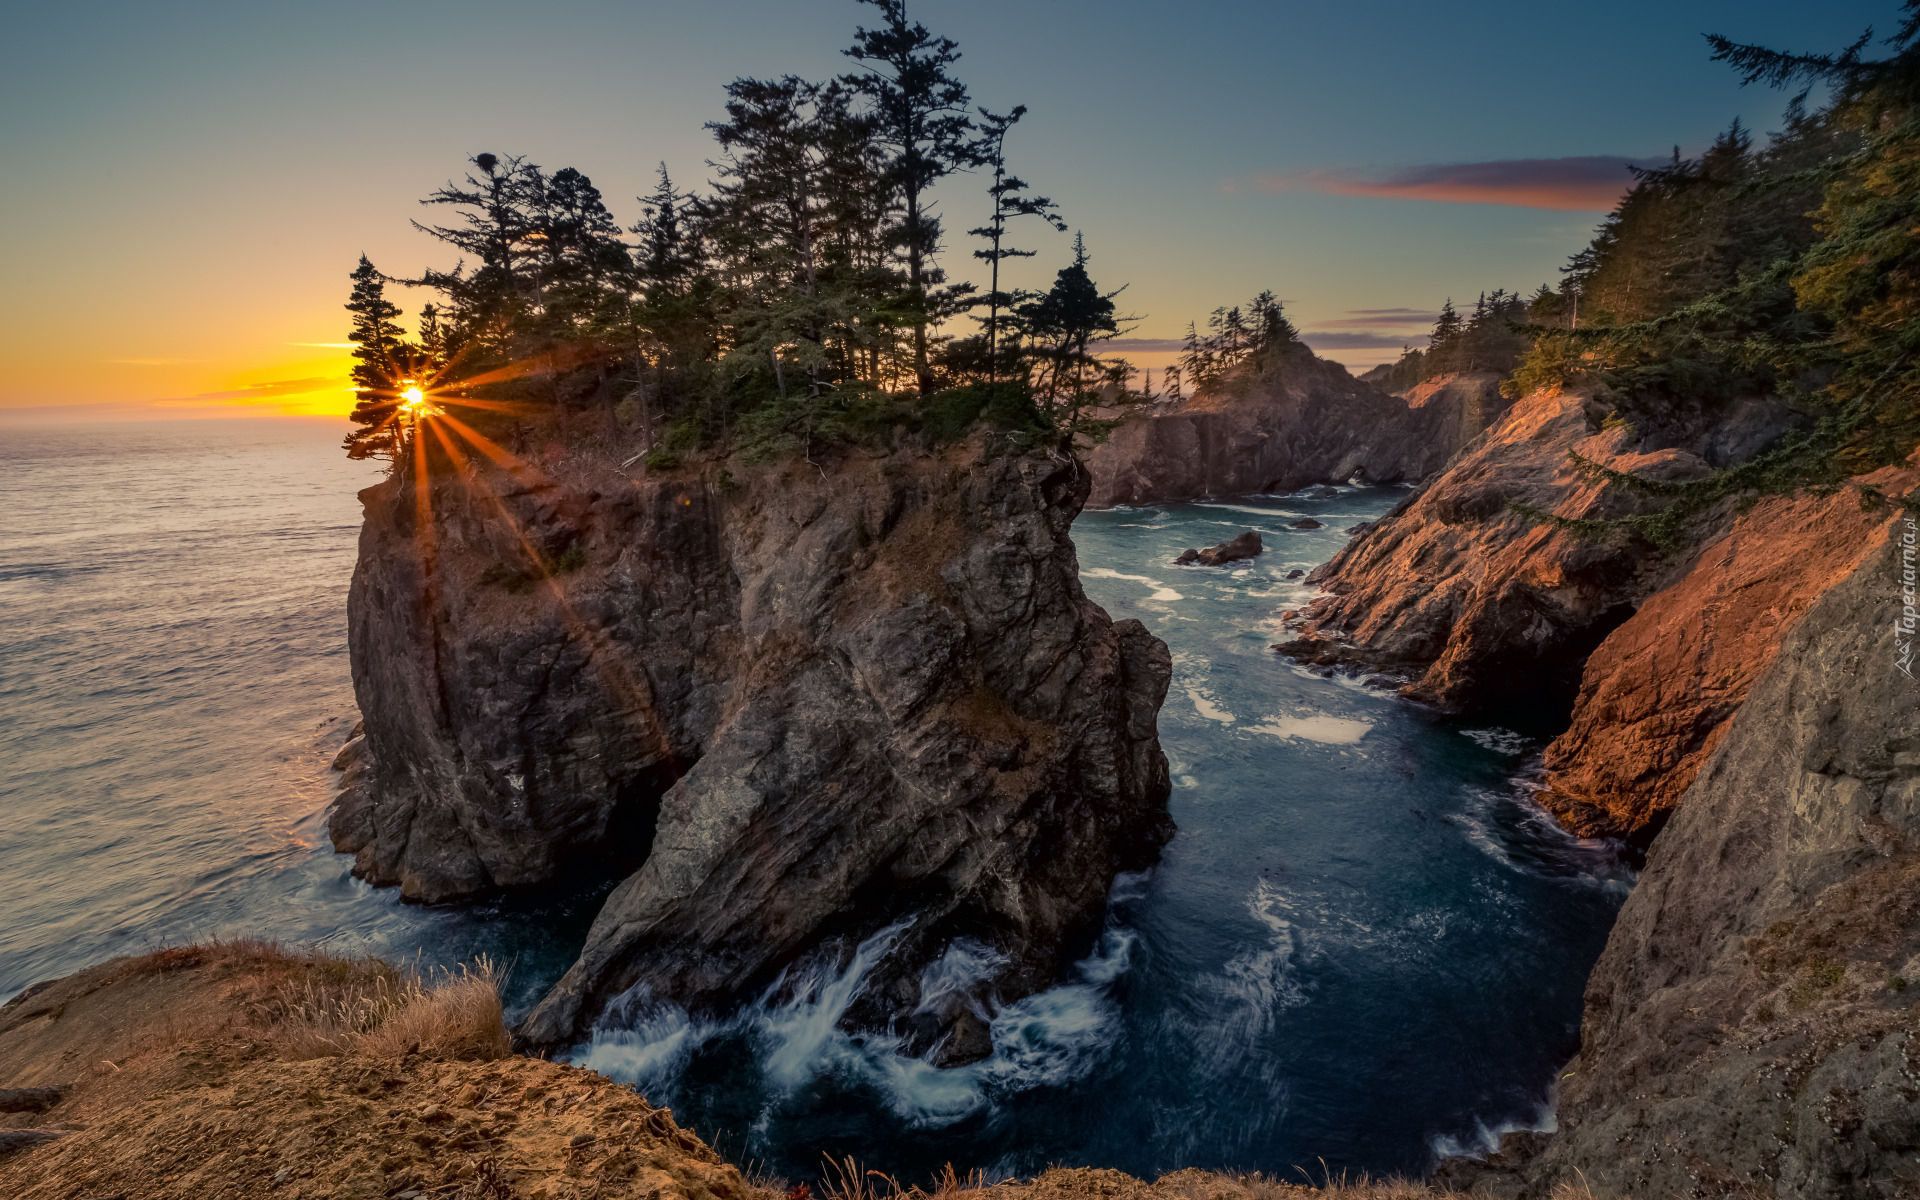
472, 458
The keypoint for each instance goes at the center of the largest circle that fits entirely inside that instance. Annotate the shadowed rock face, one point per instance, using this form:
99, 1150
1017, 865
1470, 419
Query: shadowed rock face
1307, 421
797, 706
1744, 1034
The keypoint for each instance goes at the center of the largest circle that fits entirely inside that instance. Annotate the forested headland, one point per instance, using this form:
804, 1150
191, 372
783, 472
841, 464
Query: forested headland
1787, 267
802, 298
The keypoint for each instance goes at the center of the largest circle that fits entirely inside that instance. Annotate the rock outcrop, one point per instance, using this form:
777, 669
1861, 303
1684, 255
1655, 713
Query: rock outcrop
1236, 549
1655, 697
1305, 421
793, 705
1751, 1027
1477, 605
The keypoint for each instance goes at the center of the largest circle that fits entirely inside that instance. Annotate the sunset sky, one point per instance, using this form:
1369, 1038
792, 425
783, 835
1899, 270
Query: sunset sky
189, 184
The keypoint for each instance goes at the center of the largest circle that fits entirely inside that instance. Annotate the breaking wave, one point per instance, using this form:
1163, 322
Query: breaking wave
791, 1037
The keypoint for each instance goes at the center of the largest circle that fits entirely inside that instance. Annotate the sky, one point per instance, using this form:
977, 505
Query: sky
188, 184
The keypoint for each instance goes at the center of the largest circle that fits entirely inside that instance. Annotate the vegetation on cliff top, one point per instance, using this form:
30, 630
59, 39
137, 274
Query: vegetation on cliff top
1789, 268
798, 301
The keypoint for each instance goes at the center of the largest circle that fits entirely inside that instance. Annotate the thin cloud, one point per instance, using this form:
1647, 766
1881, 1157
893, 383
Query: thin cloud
1144, 345
1360, 341
154, 362
1374, 318
260, 391
1588, 183
327, 345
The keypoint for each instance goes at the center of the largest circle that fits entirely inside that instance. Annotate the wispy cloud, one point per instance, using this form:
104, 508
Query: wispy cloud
259, 391
1144, 345
154, 362
1375, 318
1361, 341
1582, 184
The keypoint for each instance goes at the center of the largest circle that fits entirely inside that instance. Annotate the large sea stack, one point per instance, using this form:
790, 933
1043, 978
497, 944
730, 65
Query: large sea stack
793, 703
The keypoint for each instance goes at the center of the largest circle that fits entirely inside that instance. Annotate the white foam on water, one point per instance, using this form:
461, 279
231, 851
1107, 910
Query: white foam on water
1048, 1039
1485, 1139
1500, 741
1247, 508
1207, 706
1330, 731
1253, 987
1161, 590
964, 964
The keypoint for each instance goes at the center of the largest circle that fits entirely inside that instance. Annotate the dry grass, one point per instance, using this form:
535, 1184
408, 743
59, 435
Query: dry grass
844, 1179
381, 1011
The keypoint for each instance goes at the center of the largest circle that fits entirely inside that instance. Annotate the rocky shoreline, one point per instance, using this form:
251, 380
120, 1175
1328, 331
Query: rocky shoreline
1735, 709
793, 708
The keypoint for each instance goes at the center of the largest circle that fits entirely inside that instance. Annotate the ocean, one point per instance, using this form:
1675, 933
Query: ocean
1365, 947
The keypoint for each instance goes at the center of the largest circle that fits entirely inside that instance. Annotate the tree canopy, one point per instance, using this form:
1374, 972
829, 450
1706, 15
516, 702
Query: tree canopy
797, 298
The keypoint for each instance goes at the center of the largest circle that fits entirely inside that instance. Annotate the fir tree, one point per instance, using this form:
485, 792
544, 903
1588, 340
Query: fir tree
378, 360
921, 116
1009, 201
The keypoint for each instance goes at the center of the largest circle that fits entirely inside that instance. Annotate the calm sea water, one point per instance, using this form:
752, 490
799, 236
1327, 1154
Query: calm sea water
1365, 945
173, 685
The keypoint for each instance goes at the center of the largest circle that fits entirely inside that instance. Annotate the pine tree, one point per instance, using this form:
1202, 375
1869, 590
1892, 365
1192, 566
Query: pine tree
1064, 324
496, 210
1443, 345
921, 115
1006, 193
378, 359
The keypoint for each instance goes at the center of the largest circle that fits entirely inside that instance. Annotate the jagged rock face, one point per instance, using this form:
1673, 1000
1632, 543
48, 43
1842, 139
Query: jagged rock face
799, 705
1751, 1028
1305, 422
1476, 604
1655, 697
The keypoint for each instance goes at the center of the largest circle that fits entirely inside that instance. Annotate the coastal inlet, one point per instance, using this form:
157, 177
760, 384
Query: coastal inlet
1364, 944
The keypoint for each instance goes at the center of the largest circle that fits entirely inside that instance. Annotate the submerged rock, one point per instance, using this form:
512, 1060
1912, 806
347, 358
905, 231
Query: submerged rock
792, 707
1303, 523
1245, 546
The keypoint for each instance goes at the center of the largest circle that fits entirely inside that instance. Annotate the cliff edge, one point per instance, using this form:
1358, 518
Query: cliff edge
793, 706
1751, 1027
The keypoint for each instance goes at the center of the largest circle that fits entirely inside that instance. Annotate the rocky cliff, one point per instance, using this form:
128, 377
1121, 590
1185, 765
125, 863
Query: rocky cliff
1656, 696
1751, 1028
792, 704
1476, 605
1305, 421
1635, 658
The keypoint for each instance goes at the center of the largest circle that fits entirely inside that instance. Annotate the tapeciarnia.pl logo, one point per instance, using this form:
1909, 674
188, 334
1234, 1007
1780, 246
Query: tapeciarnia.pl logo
1903, 627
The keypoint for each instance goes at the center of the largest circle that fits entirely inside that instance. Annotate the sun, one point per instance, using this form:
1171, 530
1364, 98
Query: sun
413, 397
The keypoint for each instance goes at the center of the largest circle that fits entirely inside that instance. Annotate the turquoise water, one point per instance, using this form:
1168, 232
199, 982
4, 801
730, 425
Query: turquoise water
1365, 944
